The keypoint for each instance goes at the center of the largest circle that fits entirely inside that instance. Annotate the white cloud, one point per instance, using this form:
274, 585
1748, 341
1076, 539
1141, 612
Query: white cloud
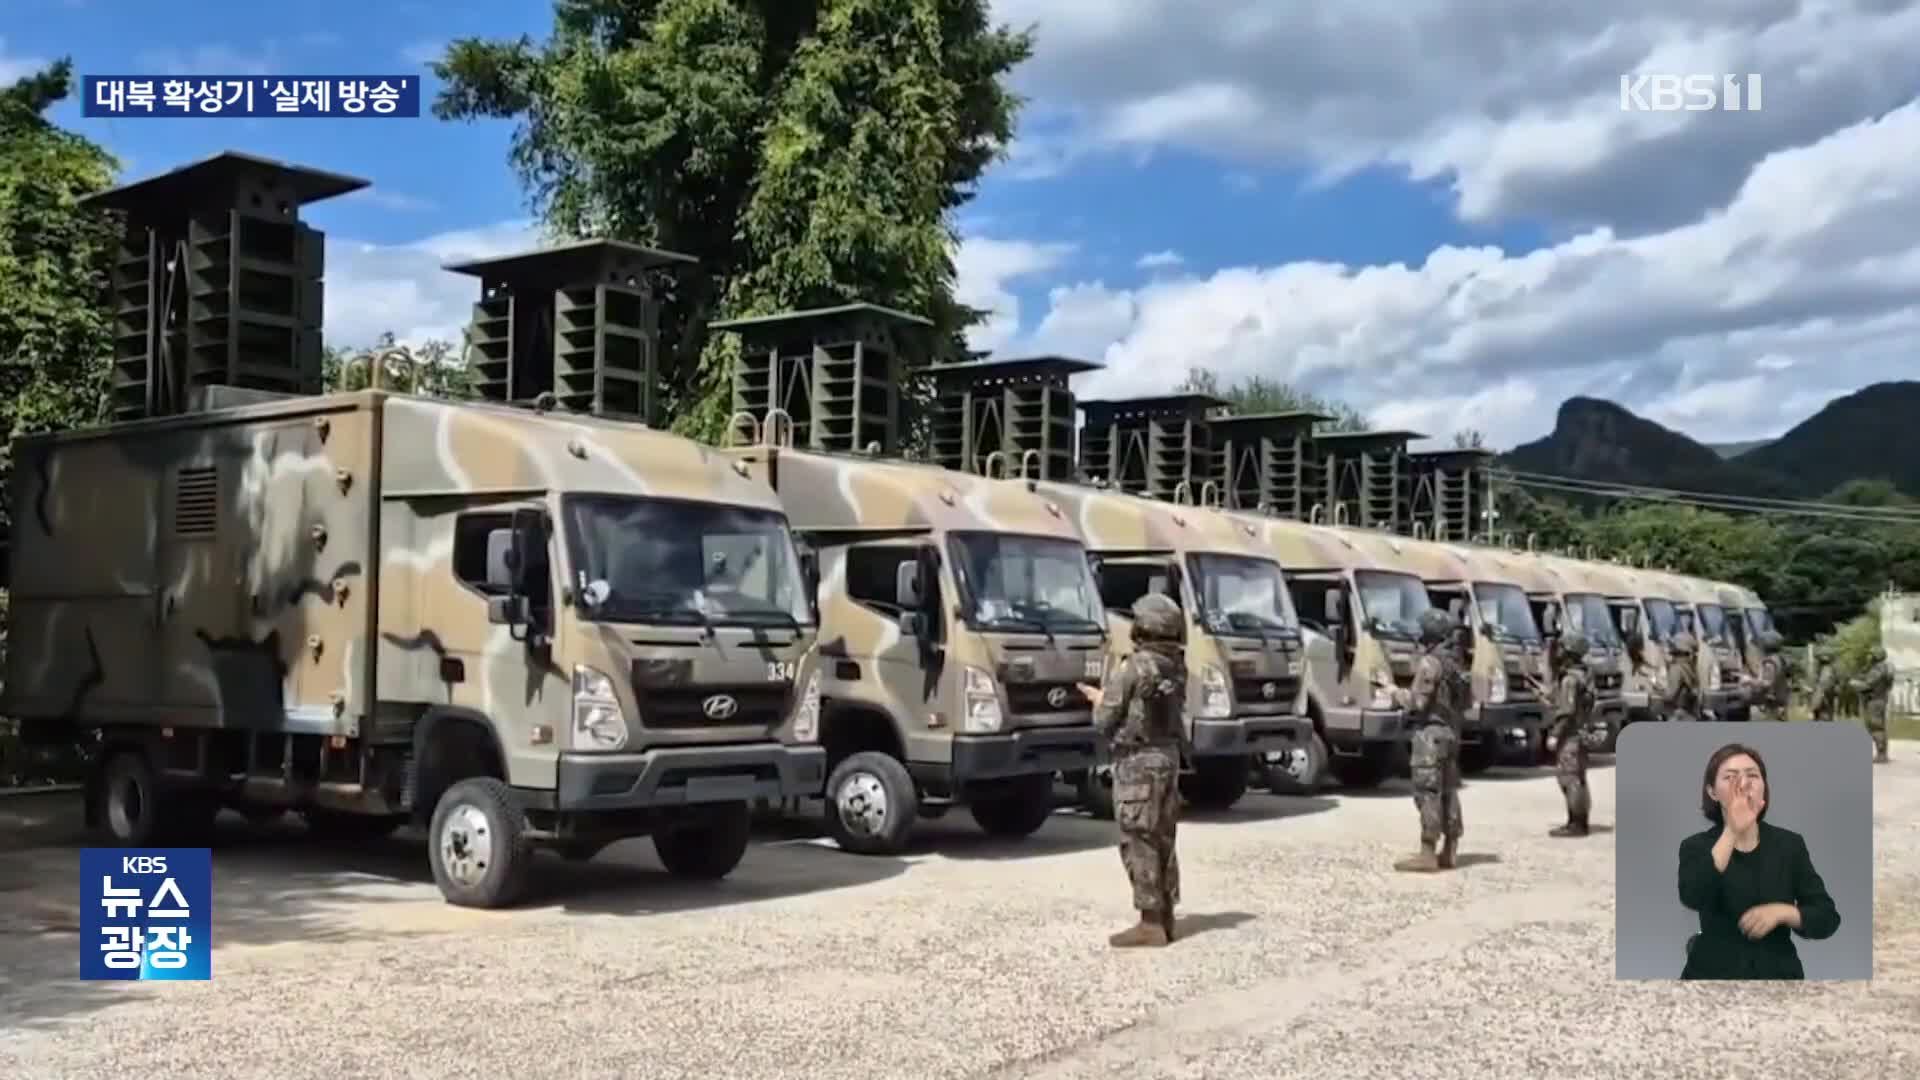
1515, 103
986, 269
1160, 260
390, 200
1805, 286
15, 68
372, 288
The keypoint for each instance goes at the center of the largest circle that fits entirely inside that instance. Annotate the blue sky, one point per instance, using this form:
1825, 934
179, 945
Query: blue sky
1373, 205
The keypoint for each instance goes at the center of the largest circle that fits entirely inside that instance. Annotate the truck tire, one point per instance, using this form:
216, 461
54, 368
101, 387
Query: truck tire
707, 848
1299, 771
1096, 793
1020, 811
1366, 770
872, 804
340, 827
1216, 783
477, 846
137, 812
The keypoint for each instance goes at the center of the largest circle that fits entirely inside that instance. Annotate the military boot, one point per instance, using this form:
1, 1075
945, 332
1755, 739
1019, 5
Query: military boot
1149, 933
1448, 848
1167, 916
1576, 826
1881, 758
1424, 863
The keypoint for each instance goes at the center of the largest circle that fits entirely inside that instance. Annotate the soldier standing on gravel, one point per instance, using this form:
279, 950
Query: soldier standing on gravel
1770, 690
1825, 685
1140, 713
1434, 716
1683, 678
1875, 687
1566, 735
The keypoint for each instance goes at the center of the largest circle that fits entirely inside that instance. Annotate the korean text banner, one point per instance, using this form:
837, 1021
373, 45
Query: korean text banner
362, 96
146, 913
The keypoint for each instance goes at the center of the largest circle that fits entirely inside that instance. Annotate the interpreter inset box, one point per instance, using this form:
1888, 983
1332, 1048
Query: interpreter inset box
1743, 851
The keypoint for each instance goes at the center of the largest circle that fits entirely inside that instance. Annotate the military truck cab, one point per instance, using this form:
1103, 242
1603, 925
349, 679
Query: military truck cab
1244, 654
1723, 689
1359, 617
1588, 602
1747, 619
958, 612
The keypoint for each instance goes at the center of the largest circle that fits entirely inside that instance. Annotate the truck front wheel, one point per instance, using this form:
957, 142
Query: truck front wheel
477, 844
871, 804
708, 847
1018, 811
1216, 783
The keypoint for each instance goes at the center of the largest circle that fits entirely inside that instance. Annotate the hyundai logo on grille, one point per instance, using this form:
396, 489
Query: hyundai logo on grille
1057, 697
719, 707
1269, 691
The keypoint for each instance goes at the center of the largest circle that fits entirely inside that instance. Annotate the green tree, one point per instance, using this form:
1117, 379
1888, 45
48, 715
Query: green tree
435, 369
55, 337
1257, 394
807, 152
1469, 439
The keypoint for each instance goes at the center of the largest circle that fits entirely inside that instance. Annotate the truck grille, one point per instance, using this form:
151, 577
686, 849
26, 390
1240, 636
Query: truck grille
1518, 688
755, 705
1607, 683
1251, 691
1027, 699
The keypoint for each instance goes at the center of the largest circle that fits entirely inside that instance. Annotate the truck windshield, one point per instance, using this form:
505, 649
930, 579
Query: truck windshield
1713, 620
673, 561
1506, 607
1027, 582
1587, 613
1391, 602
1241, 594
1661, 620
1759, 621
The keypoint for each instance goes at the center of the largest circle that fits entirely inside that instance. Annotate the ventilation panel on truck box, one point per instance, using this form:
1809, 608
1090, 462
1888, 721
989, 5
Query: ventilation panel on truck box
836, 372
1151, 445
217, 283
1015, 408
580, 321
1449, 492
1367, 474
1264, 459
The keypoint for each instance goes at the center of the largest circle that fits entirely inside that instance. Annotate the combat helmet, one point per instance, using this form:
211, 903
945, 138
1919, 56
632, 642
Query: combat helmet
1435, 626
1157, 618
1680, 642
1573, 644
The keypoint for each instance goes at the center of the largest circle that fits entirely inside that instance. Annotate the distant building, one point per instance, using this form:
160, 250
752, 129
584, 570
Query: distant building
1900, 634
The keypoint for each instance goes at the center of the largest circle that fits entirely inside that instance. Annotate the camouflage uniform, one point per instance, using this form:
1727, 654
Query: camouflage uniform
1434, 715
1683, 678
1825, 688
1875, 687
1141, 716
1770, 691
1572, 708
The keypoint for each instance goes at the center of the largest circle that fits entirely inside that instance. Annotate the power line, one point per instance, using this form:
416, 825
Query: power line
1823, 512
1892, 513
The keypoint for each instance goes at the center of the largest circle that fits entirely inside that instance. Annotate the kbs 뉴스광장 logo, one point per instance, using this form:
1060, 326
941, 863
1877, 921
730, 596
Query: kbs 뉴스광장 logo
146, 913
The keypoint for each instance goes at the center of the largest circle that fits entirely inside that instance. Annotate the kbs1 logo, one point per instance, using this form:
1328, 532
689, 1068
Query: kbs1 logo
146, 913
1689, 93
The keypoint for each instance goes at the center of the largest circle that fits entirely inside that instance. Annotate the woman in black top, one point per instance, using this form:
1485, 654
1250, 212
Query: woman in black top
1752, 883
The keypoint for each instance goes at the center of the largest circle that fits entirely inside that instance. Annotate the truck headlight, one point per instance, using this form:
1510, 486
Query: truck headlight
1216, 700
1497, 688
1383, 696
1713, 676
1293, 669
597, 722
806, 718
983, 713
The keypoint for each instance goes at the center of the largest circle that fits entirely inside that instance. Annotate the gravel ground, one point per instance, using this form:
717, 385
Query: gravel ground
1303, 956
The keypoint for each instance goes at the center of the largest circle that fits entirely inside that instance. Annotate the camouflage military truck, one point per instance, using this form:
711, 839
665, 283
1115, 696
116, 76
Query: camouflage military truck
1505, 716
1560, 600
1244, 654
1642, 660
1722, 691
958, 611
1359, 615
519, 629
1592, 605
1747, 619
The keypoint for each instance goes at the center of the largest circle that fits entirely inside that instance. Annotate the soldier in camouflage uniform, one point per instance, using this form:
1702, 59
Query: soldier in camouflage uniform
1572, 708
1140, 713
1683, 678
1875, 687
1770, 689
1826, 686
1433, 712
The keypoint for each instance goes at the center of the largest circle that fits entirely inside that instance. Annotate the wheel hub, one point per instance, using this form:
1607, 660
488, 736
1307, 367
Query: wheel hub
861, 803
126, 805
1294, 762
466, 845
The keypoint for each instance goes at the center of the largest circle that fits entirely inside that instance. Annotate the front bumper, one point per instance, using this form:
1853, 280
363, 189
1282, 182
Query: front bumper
686, 776
1249, 735
1021, 752
1352, 726
1515, 728
1724, 703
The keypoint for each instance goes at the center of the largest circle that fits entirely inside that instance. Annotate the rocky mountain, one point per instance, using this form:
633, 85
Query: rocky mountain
1871, 433
1730, 450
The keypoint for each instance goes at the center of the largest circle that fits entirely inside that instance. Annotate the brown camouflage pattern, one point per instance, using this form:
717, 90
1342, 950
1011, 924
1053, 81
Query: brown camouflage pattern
1875, 687
336, 520
1140, 717
1572, 709
841, 497
1719, 664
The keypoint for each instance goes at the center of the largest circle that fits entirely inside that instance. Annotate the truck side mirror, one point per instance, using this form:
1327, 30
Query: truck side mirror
913, 624
502, 556
906, 586
509, 610
1335, 607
